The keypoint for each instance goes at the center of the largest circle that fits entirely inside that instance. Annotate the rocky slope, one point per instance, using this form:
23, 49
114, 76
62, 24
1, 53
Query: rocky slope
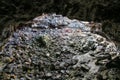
57, 48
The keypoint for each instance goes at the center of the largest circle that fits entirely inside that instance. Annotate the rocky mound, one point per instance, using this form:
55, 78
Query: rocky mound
57, 48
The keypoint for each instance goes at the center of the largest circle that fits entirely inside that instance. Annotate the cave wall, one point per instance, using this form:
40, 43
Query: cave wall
81, 9
14, 12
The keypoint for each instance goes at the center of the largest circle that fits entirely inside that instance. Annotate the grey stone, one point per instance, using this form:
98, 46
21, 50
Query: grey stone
63, 53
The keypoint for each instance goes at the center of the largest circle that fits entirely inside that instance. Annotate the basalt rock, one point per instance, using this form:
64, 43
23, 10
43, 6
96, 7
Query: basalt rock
66, 53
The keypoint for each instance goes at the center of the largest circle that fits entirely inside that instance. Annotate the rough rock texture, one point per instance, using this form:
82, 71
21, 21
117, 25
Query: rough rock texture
58, 21
113, 30
53, 53
15, 12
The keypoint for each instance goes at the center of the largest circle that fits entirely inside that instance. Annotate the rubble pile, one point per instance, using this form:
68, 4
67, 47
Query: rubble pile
66, 53
58, 21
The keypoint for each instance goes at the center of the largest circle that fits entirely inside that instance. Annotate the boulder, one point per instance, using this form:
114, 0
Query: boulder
66, 53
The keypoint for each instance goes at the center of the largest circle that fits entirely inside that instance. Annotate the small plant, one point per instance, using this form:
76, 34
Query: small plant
41, 41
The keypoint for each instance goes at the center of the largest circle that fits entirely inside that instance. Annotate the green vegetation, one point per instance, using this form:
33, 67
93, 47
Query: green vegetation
41, 41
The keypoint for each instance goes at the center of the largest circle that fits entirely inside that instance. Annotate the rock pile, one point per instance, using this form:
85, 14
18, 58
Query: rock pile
58, 21
67, 53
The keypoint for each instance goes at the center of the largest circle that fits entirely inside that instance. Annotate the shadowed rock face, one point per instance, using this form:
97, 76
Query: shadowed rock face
66, 53
14, 12
113, 30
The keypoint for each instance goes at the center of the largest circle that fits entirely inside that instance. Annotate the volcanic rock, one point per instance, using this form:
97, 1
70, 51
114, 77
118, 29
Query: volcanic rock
46, 52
